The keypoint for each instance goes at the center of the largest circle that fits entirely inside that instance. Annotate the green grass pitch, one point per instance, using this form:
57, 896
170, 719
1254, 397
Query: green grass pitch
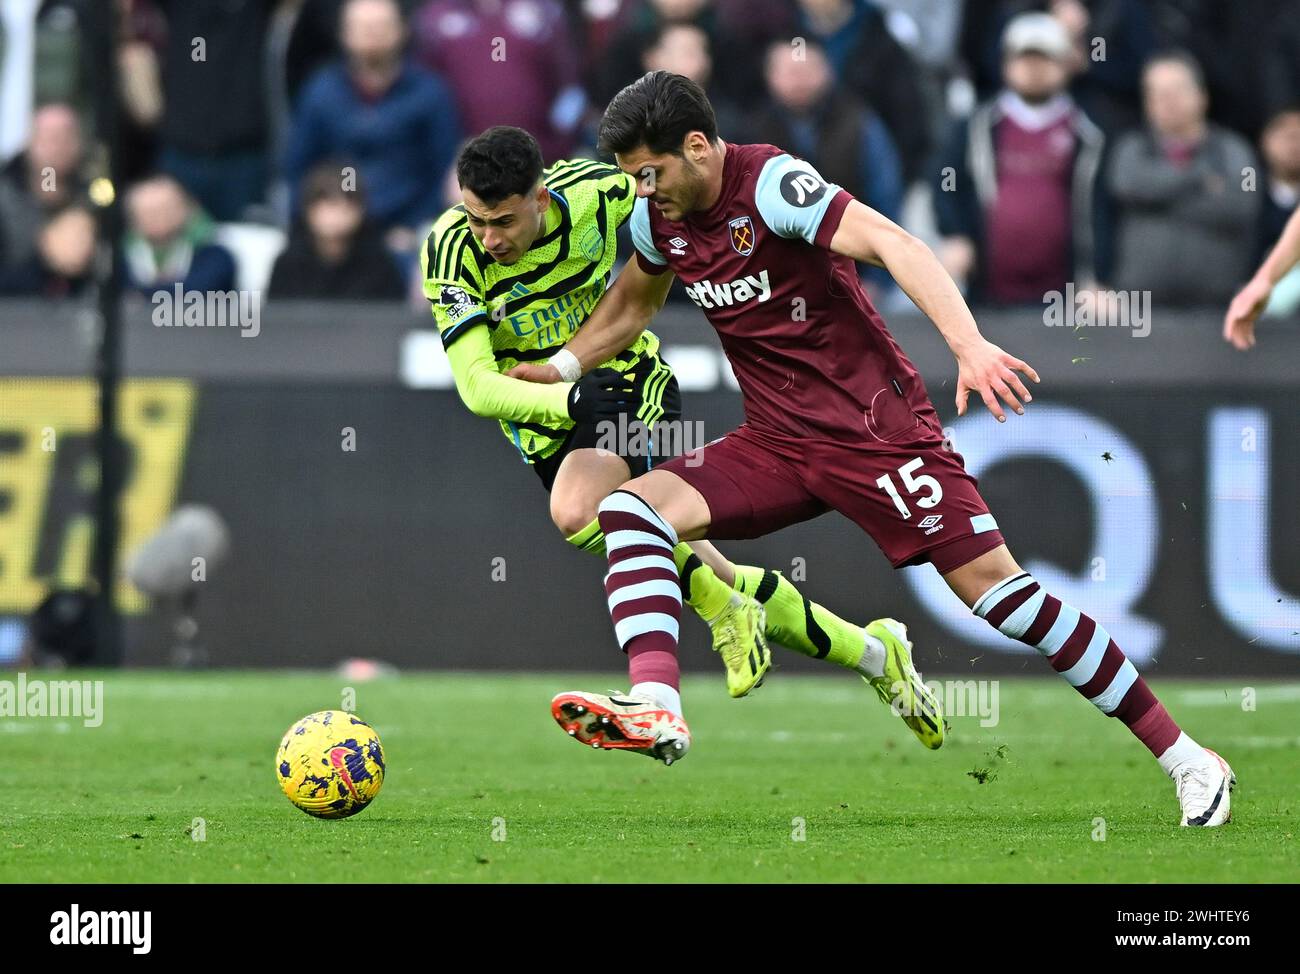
808, 780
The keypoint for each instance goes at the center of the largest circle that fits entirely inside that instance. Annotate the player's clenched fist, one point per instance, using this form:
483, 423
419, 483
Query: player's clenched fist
991, 372
600, 394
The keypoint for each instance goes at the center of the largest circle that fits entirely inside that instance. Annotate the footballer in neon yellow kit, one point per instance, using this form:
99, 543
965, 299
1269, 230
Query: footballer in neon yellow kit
511, 274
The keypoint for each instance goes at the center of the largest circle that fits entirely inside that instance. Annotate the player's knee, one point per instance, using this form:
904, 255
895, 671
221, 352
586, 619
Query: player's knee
647, 487
624, 501
635, 487
571, 516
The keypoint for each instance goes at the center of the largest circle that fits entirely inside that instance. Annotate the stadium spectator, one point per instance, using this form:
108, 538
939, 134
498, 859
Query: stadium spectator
1186, 223
1280, 84
169, 241
335, 251
1247, 51
1016, 191
983, 22
42, 60
139, 60
306, 38
509, 62
870, 62
733, 25
1280, 148
684, 49
1109, 42
213, 131
39, 181
392, 120
813, 117
59, 265
928, 29
302, 38
595, 25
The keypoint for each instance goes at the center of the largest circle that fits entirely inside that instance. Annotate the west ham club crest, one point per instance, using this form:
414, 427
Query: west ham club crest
742, 235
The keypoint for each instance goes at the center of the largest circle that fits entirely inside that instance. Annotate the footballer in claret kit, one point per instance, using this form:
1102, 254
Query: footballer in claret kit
512, 273
633, 290
836, 418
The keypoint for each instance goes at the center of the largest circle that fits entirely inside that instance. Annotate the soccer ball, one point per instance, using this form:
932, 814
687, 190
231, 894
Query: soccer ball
330, 764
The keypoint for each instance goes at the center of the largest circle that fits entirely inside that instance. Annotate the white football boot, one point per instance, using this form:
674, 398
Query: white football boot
622, 723
1204, 790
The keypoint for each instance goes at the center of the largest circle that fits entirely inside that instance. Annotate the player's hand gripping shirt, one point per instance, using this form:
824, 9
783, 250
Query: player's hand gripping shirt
493, 316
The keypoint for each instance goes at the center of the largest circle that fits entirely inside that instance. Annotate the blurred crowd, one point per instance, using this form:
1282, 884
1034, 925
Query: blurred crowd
302, 147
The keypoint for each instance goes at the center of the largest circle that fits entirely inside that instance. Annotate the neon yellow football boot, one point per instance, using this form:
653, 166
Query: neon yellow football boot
738, 638
902, 687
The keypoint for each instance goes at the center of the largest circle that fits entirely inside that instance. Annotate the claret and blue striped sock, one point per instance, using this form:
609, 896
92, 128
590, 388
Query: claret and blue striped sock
1081, 650
643, 588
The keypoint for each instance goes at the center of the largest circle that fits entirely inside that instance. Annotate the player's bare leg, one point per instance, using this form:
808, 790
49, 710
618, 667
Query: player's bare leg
677, 503
792, 620
770, 603
763, 601
735, 620
642, 521
587, 476
1078, 648
583, 479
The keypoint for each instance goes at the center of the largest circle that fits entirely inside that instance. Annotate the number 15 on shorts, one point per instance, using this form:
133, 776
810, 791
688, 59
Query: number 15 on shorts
912, 486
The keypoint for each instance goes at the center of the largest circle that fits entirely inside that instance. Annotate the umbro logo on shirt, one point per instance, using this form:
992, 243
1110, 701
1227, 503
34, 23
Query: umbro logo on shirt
678, 245
931, 524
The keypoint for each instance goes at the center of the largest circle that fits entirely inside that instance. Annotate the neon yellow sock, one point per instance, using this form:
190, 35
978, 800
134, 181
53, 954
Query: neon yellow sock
707, 594
798, 624
591, 538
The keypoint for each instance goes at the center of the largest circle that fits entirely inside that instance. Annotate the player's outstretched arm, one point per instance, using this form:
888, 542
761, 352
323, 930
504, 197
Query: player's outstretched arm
982, 367
1239, 322
621, 315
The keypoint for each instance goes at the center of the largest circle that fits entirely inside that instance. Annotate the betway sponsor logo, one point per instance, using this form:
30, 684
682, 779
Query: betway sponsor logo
709, 295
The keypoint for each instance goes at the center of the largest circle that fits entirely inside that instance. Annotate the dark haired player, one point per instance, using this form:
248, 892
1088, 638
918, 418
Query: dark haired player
836, 417
512, 273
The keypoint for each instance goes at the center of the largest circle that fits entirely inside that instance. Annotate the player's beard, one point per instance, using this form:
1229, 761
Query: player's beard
689, 197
